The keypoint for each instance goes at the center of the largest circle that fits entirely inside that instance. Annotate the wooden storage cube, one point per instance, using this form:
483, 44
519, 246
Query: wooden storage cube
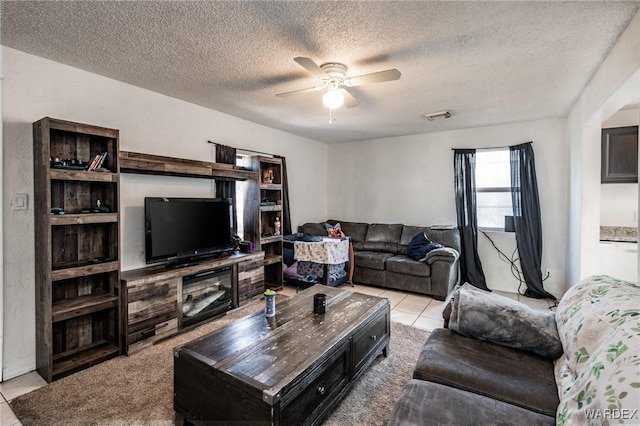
74, 196
271, 172
271, 196
81, 146
96, 284
78, 244
78, 334
268, 219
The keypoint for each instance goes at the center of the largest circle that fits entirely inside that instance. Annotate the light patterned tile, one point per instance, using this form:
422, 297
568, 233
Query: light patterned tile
288, 290
20, 385
372, 291
394, 297
543, 304
411, 297
411, 307
7, 417
403, 317
513, 296
434, 310
427, 323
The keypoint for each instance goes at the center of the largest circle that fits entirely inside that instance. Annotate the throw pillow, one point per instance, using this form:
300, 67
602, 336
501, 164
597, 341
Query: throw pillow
420, 245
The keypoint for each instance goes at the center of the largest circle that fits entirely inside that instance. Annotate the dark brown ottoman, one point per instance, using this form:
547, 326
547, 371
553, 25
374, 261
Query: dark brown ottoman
425, 403
513, 376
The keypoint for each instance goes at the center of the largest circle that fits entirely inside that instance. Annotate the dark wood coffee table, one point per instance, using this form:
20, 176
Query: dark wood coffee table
287, 370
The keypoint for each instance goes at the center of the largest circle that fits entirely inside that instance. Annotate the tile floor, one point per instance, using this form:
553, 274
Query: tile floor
415, 310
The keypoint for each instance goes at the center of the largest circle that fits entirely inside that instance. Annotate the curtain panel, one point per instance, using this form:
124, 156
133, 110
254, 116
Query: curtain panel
527, 220
286, 213
465, 187
227, 188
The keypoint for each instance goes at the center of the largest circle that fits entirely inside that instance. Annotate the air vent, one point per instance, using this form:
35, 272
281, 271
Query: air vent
436, 115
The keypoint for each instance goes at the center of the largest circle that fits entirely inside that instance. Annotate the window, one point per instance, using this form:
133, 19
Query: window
493, 188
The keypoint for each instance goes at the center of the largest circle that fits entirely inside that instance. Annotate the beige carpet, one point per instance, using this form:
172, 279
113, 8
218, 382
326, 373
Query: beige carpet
138, 389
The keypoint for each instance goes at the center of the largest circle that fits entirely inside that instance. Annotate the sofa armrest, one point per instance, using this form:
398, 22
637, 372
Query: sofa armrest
444, 270
446, 254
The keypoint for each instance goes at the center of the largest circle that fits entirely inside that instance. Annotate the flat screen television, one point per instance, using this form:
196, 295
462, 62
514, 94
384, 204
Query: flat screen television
187, 229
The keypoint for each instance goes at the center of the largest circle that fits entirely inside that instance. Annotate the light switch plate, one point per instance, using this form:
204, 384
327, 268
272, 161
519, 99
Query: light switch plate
20, 201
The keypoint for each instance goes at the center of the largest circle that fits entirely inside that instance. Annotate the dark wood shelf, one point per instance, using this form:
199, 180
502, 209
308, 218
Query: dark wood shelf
271, 186
271, 259
83, 218
81, 269
83, 357
82, 305
82, 175
135, 162
272, 239
273, 208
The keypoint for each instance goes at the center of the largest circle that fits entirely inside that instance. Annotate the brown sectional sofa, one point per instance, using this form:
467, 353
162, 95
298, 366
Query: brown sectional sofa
380, 256
465, 381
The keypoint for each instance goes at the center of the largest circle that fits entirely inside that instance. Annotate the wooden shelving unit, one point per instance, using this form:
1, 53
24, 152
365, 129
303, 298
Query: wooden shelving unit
264, 199
77, 253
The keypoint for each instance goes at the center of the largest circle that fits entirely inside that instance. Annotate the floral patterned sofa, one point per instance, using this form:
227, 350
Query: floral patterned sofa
595, 380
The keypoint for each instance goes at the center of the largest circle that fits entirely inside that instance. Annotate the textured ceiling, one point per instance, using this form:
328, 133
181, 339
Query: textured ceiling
486, 62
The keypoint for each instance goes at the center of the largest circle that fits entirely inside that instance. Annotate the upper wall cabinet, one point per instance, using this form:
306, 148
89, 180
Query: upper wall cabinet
620, 155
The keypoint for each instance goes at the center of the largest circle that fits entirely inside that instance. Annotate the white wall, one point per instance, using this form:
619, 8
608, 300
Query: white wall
410, 180
149, 122
614, 85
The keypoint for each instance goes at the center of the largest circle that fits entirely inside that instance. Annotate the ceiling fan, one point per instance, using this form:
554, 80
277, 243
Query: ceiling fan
333, 78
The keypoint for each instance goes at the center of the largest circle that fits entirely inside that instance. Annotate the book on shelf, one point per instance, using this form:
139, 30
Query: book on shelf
97, 162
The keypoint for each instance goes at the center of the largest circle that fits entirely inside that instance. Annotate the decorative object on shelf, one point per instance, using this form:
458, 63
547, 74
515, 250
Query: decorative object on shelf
276, 226
267, 176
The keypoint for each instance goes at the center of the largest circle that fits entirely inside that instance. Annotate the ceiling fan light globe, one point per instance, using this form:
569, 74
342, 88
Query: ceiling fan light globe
333, 99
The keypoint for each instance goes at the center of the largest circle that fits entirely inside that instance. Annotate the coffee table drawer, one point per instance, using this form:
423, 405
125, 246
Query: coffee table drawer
317, 396
370, 337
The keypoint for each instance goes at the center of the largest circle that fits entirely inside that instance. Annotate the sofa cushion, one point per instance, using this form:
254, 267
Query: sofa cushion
425, 403
356, 231
448, 236
371, 259
405, 265
383, 237
408, 232
313, 229
510, 375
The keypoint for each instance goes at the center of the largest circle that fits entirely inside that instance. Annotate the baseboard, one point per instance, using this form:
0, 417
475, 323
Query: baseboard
18, 368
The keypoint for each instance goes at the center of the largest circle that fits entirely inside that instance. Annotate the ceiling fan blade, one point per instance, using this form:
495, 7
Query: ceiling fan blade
375, 77
295, 92
349, 100
311, 66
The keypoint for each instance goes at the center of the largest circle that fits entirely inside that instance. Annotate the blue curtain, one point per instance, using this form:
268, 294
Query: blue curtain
527, 222
465, 185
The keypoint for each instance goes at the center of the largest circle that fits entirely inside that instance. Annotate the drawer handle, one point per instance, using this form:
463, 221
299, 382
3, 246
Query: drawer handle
148, 333
163, 325
321, 390
373, 337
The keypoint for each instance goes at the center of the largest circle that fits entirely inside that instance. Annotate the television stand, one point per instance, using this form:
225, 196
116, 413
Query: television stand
152, 297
